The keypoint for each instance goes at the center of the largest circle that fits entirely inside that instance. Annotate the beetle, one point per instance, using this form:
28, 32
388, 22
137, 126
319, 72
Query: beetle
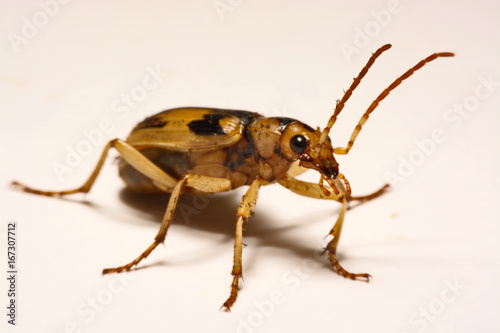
206, 150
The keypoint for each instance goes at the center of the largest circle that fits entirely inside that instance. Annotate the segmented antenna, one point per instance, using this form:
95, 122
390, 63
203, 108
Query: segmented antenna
357, 80
375, 103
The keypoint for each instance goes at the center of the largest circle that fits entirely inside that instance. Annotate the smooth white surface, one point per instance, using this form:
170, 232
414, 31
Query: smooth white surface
438, 228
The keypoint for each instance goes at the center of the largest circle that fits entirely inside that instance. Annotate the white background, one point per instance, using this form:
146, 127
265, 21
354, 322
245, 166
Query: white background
431, 243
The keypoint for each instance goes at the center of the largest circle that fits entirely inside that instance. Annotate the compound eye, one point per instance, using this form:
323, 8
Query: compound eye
298, 143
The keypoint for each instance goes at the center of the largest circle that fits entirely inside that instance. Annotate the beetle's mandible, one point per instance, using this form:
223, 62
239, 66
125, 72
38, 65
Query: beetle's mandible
206, 150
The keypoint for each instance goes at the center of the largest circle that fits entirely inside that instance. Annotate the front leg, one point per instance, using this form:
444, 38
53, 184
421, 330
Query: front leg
332, 248
312, 190
244, 211
201, 183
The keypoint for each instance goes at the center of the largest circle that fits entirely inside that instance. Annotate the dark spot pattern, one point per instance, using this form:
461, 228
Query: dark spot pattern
151, 122
246, 117
209, 125
277, 150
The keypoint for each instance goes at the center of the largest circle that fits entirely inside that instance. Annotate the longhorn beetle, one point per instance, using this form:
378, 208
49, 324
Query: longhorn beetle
206, 150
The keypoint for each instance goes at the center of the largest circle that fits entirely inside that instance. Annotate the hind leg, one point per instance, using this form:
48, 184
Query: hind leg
129, 154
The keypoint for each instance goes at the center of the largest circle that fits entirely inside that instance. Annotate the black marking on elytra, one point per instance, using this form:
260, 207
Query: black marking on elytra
151, 122
246, 117
209, 125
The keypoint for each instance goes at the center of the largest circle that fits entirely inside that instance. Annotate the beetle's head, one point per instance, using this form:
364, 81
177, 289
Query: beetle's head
314, 148
299, 142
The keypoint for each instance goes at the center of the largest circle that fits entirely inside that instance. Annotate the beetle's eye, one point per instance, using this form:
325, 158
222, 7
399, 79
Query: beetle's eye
298, 144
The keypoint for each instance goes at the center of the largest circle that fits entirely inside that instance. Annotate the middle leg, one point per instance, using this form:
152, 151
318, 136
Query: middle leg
244, 211
201, 183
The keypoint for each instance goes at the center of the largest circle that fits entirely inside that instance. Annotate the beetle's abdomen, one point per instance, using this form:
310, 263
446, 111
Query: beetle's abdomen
238, 163
172, 162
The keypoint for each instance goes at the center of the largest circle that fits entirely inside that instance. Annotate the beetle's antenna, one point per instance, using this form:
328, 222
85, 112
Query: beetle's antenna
348, 93
375, 103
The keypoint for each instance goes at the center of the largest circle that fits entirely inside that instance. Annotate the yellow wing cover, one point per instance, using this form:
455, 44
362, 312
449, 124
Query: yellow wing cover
191, 128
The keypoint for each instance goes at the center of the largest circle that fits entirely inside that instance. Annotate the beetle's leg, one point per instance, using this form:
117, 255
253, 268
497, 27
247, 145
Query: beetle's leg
363, 198
371, 196
306, 189
160, 237
129, 154
312, 190
332, 248
244, 211
201, 183
296, 169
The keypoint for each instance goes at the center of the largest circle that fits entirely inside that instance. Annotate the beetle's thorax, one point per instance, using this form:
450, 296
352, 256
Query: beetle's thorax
265, 134
279, 142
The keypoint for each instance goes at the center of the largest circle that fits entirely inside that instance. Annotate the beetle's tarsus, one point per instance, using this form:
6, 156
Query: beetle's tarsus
128, 266
115, 270
234, 293
224, 308
18, 186
344, 273
371, 196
